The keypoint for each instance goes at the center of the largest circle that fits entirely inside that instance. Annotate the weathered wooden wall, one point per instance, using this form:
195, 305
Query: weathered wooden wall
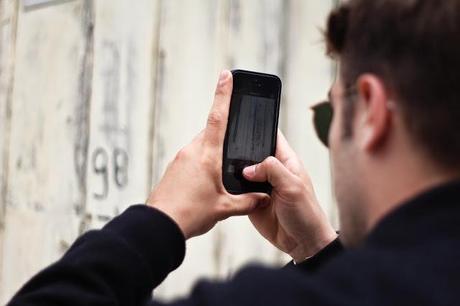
97, 96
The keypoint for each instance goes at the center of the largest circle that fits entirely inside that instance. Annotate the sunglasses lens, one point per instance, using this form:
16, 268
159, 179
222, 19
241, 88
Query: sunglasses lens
322, 119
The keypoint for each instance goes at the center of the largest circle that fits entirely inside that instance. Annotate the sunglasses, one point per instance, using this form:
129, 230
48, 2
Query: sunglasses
323, 113
322, 120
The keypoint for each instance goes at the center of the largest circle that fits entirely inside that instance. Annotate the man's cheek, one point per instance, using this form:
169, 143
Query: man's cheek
333, 134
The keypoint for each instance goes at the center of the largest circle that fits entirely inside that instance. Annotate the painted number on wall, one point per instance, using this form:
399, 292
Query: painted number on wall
102, 167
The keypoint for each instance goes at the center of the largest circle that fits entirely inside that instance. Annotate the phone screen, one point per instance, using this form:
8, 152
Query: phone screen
251, 130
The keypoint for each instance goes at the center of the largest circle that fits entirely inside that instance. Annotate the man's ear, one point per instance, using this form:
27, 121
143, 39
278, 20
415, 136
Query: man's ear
374, 119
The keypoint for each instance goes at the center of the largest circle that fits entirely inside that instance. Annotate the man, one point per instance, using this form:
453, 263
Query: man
396, 163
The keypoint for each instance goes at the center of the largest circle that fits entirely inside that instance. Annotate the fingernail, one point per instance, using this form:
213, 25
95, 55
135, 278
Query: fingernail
249, 171
223, 77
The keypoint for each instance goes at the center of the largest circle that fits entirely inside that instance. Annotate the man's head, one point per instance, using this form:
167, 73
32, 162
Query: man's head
396, 104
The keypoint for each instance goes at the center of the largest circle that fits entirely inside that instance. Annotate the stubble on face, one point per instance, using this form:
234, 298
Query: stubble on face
347, 181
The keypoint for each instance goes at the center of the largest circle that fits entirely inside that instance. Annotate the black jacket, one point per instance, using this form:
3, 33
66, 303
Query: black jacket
411, 258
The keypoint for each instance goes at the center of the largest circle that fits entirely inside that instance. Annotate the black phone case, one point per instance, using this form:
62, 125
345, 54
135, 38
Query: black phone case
237, 184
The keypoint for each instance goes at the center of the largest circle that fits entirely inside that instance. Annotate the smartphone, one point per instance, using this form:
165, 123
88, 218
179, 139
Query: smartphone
251, 129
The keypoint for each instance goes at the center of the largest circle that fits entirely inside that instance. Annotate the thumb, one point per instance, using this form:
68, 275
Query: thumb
270, 170
246, 203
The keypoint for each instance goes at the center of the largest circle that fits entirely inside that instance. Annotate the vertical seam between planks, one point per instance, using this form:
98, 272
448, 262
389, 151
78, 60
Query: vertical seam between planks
285, 43
157, 62
7, 132
84, 120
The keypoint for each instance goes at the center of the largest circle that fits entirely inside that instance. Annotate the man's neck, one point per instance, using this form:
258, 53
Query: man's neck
401, 181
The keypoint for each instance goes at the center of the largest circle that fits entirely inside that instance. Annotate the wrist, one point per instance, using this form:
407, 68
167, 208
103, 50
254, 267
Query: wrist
311, 247
173, 215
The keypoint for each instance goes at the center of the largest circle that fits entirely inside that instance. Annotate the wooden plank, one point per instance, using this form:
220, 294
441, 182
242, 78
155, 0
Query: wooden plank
262, 28
256, 35
155, 68
118, 170
48, 119
308, 77
192, 35
8, 24
255, 42
184, 94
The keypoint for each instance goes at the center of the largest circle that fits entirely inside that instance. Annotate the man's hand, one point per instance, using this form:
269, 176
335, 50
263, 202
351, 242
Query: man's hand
293, 222
191, 192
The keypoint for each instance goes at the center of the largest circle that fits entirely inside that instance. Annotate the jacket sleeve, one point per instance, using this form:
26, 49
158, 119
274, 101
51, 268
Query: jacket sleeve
315, 263
122, 263
117, 265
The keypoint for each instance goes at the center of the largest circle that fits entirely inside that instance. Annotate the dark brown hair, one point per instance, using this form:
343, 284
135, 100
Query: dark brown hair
414, 47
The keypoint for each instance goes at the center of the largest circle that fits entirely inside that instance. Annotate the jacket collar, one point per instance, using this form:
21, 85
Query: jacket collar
431, 214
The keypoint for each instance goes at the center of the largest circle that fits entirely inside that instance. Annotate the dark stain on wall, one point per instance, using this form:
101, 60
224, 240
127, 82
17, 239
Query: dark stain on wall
82, 109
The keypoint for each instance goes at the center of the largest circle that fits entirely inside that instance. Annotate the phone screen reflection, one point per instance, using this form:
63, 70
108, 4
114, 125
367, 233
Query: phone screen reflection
251, 129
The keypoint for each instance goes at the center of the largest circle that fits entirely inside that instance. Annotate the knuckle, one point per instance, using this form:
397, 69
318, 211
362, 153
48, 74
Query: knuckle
215, 118
220, 90
224, 210
294, 188
209, 161
181, 154
226, 206
271, 162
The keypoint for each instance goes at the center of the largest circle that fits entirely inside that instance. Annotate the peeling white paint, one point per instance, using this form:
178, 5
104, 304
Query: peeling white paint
104, 93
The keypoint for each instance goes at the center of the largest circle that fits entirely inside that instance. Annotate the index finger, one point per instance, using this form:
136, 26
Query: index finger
286, 155
218, 116
284, 151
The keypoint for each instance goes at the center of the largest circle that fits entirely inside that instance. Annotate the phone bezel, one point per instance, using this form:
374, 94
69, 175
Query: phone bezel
244, 82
